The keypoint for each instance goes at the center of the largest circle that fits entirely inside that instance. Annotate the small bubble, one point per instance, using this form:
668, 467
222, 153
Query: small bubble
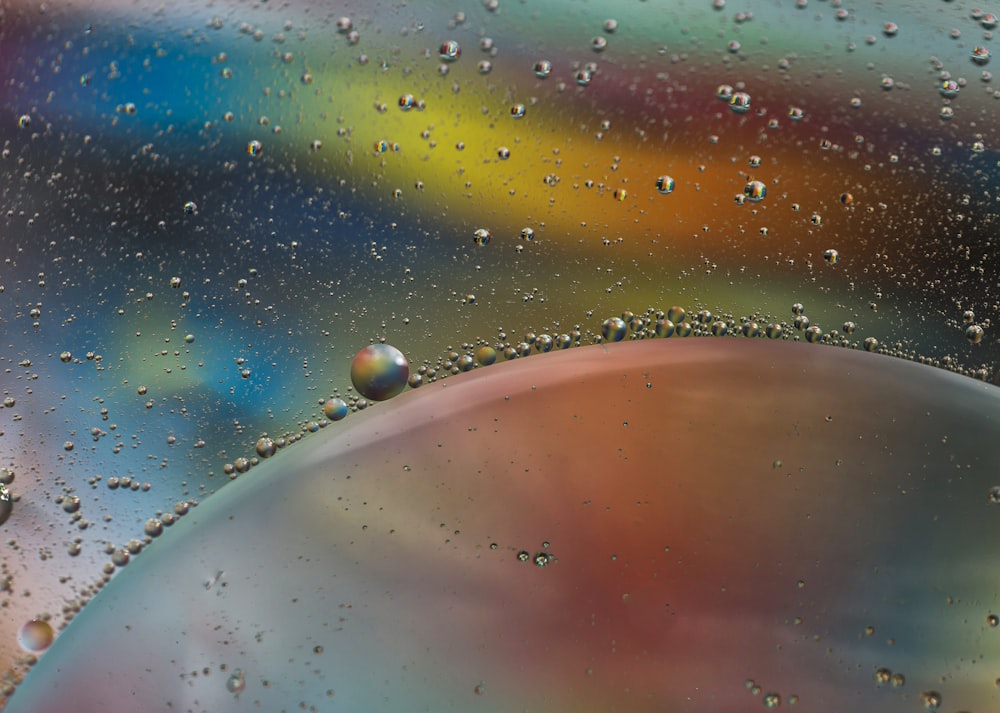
265, 447
739, 102
771, 700
755, 191
517, 111
35, 635
254, 148
665, 184
153, 527
6, 503
931, 700
481, 237
449, 51
543, 68
613, 329
237, 682
882, 676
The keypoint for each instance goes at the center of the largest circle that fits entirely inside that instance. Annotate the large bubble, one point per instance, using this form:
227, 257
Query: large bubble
208, 208
730, 511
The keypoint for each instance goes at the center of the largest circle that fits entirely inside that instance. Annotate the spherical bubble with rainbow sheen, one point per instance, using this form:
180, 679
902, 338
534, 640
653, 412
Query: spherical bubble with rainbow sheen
379, 372
35, 635
614, 329
335, 409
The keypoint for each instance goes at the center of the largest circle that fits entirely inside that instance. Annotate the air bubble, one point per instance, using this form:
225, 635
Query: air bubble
449, 51
665, 184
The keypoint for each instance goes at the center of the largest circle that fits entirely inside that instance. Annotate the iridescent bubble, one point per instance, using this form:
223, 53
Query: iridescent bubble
335, 409
517, 110
755, 191
254, 148
949, 88
665, 184
35, 635
486, 355
406, 102
980, 55
379, 372
449, 51
614, 329
481, 237
739, 102
599, 44
724, 92
831, 256
543, 68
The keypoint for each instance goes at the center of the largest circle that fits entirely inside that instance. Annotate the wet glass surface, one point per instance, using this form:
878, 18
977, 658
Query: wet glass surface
509, 356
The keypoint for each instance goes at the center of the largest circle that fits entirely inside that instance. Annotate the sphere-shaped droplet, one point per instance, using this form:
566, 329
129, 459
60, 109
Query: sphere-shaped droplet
379, 372
665, 184
755, 191
35, 635
450, 51
335, 409
613, 329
